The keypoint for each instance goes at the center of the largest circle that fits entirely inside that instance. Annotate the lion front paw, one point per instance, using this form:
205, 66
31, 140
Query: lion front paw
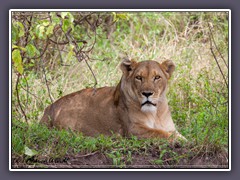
176, 137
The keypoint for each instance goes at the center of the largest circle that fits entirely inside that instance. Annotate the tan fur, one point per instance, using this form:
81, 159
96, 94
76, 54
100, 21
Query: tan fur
120, 109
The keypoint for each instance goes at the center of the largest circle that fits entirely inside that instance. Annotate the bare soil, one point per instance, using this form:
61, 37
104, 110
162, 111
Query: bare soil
139, 160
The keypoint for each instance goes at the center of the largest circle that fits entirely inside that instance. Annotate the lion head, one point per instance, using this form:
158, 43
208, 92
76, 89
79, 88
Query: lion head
145, 83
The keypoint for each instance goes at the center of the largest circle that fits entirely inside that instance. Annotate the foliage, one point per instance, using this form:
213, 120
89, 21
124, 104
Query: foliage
38, 143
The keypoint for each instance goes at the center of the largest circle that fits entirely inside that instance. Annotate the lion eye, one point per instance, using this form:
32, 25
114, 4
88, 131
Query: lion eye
157, 77
139, 78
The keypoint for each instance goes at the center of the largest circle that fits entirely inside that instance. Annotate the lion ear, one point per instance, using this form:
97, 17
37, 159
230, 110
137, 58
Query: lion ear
127, 65
168, 67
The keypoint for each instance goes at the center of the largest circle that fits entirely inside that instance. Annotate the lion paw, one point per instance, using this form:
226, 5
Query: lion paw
176, 137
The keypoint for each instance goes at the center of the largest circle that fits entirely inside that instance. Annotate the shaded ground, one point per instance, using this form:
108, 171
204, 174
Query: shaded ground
138, 160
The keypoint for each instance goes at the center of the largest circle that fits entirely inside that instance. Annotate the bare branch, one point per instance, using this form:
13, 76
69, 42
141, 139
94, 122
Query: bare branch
60, 54
215, 58
46, 81
35, 96
65, 42
216, 45
81, 56
18, 98
85, 17
95, 84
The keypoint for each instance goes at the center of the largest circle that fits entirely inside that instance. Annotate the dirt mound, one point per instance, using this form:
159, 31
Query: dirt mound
138, 160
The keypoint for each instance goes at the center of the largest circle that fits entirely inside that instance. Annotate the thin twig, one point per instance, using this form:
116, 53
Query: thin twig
85, 155
18, 98
216, 45
79, 22
81, 56
28, 29
46, 81
95, 84
65, 42
41, 54
27, 89
60, 54
211, 48
35, 96
95, 38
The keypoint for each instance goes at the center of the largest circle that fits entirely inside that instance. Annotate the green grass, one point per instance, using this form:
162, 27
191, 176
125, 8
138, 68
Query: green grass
36, 143
197, 94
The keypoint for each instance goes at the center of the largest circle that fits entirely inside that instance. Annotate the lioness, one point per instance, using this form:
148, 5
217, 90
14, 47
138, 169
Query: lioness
136, 106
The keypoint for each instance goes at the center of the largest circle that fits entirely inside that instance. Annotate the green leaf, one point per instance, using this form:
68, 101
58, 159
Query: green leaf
14, 34
17, 31
31, 50
19, 47
54, 18
70, 16
33, 35
16, 56
63, 14
30, 152
20, 28
14, 46
20, 68
17, 60
162, 153
66, 25
45, 22
123, 16
117, 16
40, 32
114, 16
49, 30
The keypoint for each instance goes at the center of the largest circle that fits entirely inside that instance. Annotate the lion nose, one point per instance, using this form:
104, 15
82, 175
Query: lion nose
147, 93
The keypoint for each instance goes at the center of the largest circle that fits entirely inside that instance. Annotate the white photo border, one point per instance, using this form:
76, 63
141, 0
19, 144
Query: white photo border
122, 10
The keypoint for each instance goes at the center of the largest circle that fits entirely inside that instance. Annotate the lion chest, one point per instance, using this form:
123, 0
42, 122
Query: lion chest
150, 122
155, 122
